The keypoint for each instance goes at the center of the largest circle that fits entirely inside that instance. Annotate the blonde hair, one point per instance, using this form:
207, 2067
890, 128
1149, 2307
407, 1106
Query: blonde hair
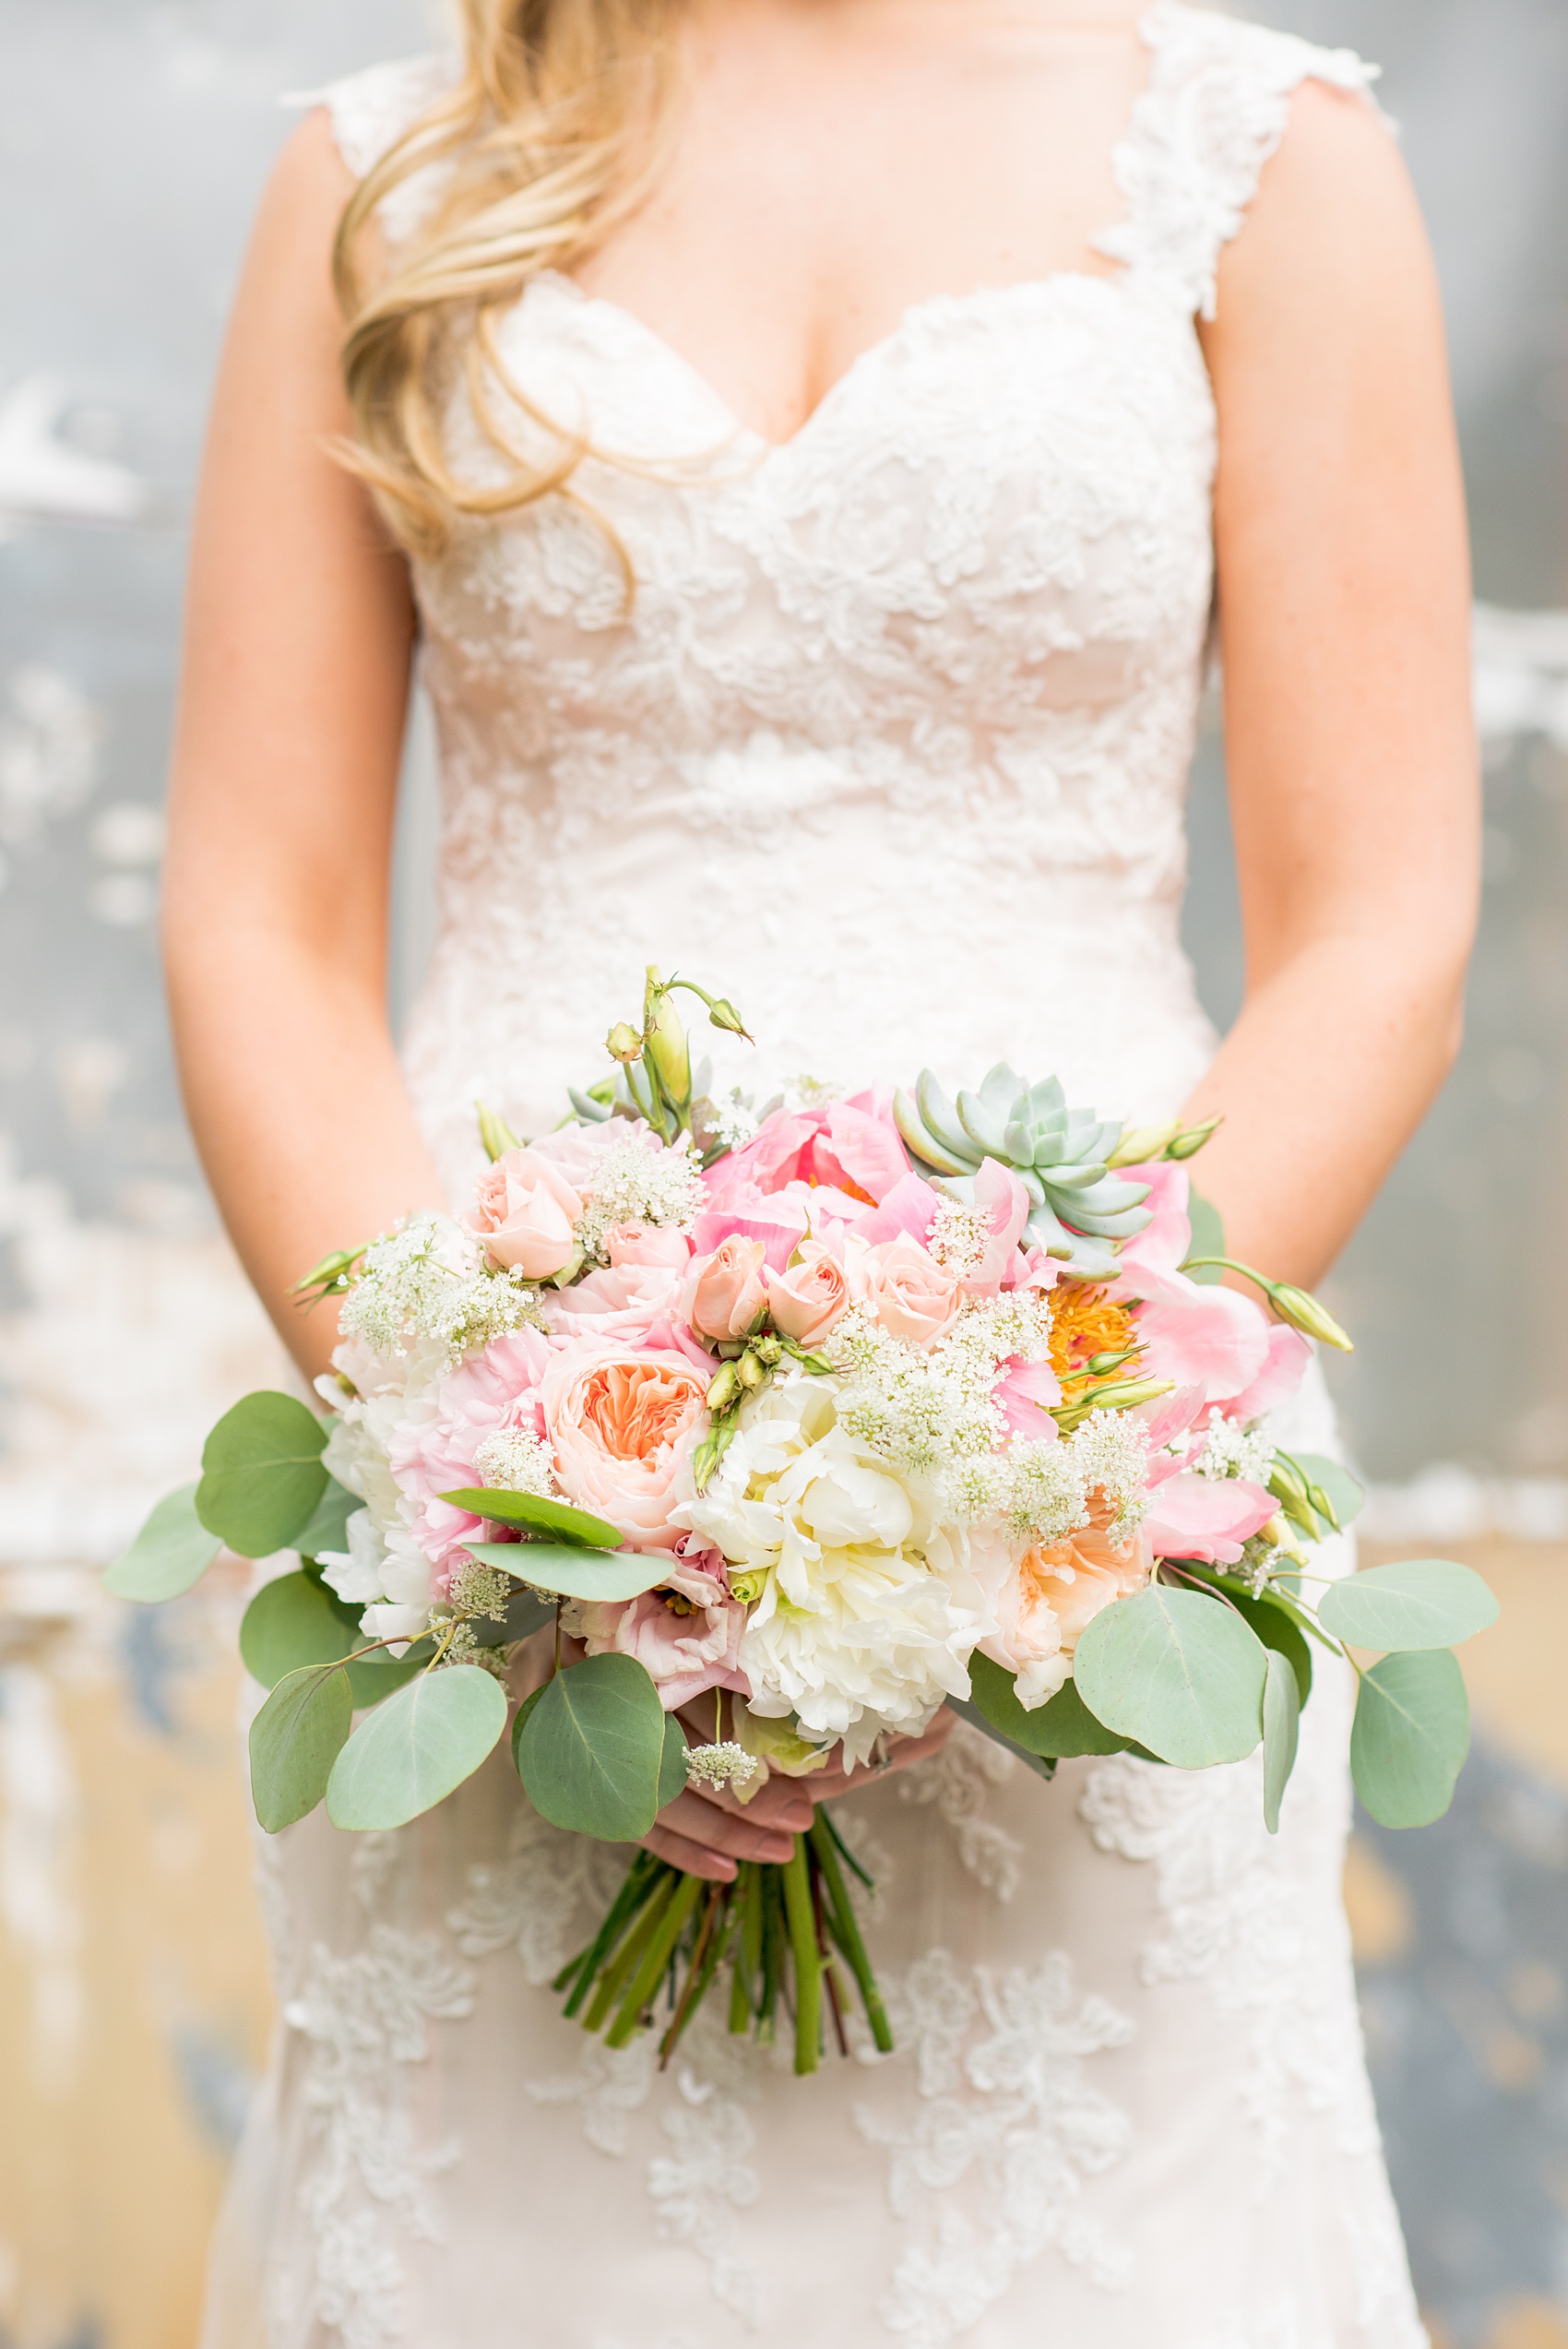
548, 138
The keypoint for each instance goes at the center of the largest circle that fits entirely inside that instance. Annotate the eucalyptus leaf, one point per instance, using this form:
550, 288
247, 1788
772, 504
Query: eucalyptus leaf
297, 1620
1281, 1724
1274, 1618
591, 1752
262, 1475
968, 1712
1410, 1735
1420, 1602
527, 1611
295, 1741
1062, 1725
328, 1527
672, 1762
576, 1573
1208, 1235
410, 1753
1336, 1483
538, 1515
172, 1550
1181, 1673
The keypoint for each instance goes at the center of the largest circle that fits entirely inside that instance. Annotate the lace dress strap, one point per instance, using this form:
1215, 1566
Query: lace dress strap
369, 113
1215, 110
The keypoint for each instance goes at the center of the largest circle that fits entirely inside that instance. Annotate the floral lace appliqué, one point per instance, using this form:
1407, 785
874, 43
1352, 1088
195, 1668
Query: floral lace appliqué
955, 1781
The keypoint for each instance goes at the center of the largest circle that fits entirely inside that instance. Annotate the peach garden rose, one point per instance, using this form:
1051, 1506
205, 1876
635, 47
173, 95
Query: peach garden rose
620, 1424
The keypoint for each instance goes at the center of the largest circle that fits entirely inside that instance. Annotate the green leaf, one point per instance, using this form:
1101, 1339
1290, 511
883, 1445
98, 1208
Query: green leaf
172, 1550
1064, 1724
1181, 1673
1272, 1617
527, 1611
295, 1741
1208, 1235
977, 1720
416, 1747
672, 1762
576, 1573
1281, 1721
1336, 1483
538, 1515
297, 1620
1420, 1602
328, 1527
262, 1475
1409, 1737
592, 1751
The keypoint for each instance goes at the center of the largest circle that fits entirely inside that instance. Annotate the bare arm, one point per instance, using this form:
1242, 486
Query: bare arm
1344, 605
298, 635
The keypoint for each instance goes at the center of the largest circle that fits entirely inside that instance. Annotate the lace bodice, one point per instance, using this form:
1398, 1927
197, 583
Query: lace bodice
892, 741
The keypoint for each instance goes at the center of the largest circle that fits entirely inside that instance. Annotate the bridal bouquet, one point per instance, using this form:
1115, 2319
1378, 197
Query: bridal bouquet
770, 1429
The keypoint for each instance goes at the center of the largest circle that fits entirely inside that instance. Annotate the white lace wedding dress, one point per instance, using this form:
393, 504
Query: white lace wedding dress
891, 747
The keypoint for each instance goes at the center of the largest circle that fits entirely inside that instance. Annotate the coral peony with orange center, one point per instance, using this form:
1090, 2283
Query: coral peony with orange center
1084, 1321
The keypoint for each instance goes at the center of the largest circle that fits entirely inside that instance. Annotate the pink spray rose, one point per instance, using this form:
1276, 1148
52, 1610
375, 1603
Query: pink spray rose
725, 1291
622, 1423
911, 1295
524, 1211
621, 1304
807, 1300
647, 1244
495, 1394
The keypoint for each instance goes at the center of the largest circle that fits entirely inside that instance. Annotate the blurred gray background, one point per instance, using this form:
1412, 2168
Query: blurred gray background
133, 140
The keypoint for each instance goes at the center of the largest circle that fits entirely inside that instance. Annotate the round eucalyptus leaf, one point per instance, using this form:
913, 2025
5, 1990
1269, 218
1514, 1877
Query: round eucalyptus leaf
412, 1750
327, 1525
1181, 1674
1281, 1723
1420, 1603
538, 1515
172, 1550
297, 1619
1410, 1735
573, 1572
1062, 1725
261, 1473
295, 1739
592, 1751
672, 1762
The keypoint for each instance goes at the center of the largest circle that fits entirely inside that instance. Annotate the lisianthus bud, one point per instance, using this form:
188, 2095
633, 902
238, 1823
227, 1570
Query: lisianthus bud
1305, 1313
623, 1042
722, 1013
750, 1371
724, 1388
665, 1050
1188, 1140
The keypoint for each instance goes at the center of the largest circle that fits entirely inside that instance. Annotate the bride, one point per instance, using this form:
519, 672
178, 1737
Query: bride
803, 443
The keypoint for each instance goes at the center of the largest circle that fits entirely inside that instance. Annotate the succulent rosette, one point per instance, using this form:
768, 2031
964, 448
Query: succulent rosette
716, 1437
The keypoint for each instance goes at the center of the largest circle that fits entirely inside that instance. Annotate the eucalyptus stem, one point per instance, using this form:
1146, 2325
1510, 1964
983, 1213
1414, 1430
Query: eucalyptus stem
807, 1958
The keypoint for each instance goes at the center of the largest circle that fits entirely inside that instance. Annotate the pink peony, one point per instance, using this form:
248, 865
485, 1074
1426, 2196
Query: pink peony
524, 1211
1207, 1518
851, 1145
911, 1296
685, 1644
496, 1394
647, 1244
777, 1224
1285, 1365
622, 1423
726, 1291
807, 1299
1199, 1336
622, 1305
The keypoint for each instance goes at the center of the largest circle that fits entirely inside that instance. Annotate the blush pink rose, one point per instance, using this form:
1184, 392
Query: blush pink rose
524, 1211
495, 1394
685, 1644
726, 1291
620, 1305
807, 1300
647, 1244
621, 1423
911, 1295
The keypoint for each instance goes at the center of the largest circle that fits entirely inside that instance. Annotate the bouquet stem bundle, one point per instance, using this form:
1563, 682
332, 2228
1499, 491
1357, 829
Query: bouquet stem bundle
780, 1929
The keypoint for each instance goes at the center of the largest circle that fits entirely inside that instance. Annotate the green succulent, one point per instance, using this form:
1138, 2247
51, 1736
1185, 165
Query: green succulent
1078, 1206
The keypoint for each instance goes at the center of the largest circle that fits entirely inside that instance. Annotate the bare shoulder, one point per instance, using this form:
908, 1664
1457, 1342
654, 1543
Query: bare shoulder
309, 185
1333, 214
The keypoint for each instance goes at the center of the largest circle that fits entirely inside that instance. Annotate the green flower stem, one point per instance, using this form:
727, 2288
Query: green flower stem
806, 1955
713, 1938
844, 1928
770, 1900
631, 1950
639, 1884
748, 1947
825, 1818
656, 1957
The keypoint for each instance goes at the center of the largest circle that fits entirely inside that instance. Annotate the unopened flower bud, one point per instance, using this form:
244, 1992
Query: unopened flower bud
623, 1042
1143, 1145
747, 1583
1188, 1140
724, 1388
494, 1133
722, 1013
767, 1349
1305, 1313
664, 1048
750, 1371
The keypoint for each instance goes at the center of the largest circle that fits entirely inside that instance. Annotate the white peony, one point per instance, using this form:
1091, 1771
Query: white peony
867, 1610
